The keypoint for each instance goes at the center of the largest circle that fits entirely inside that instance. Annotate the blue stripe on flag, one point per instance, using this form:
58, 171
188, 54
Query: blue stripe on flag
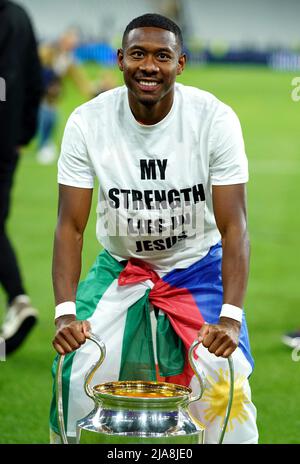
204, 281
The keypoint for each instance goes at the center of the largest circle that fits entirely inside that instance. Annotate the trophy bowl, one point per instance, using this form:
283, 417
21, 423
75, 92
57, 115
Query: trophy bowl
137, 412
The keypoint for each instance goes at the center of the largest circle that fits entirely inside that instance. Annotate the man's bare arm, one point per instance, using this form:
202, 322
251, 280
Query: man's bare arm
230, 212
73, 213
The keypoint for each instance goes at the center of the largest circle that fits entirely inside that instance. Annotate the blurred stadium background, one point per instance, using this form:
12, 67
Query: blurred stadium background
247, 54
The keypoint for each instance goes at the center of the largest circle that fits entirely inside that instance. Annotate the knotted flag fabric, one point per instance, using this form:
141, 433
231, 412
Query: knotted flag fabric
176, 307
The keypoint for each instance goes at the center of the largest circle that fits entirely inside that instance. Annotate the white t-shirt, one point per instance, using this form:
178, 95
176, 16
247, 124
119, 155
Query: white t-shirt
155, 182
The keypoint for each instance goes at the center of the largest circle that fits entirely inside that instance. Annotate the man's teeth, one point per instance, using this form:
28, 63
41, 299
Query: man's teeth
147, 83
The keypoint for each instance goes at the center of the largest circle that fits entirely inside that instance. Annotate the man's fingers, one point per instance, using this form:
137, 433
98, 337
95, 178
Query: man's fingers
219, 351
209, 338
217, 342
58, 348
73, 338
86, 327
228, 352
60, 340
70, 337
203, 332
77, 333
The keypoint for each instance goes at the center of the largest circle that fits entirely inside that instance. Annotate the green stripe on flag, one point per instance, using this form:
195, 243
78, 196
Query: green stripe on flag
170, 348
138, 362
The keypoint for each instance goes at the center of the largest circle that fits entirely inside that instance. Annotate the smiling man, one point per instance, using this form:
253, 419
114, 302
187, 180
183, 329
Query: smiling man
172, 169
150, 60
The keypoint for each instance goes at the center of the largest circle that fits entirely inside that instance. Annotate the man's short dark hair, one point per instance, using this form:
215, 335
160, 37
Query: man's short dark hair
154, 20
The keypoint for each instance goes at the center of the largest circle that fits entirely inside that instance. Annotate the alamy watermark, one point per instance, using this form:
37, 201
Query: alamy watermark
295, 95
2, 90
147, 217
2, 350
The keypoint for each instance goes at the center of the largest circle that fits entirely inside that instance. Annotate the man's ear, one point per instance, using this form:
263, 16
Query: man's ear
181, 64
120, 56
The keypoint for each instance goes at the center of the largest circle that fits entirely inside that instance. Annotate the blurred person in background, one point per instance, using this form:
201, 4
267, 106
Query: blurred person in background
59, 62
292, 338
157, 147
20, 68
174, 9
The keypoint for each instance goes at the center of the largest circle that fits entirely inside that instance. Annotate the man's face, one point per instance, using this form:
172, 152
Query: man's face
150, 62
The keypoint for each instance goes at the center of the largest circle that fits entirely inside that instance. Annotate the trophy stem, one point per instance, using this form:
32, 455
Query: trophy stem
87, 387
230, 400
59, 401
201, 379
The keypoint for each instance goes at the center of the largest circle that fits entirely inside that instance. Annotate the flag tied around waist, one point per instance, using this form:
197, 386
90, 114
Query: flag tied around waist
178, 323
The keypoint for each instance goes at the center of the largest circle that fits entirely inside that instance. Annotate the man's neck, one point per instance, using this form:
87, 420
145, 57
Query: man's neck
151, 114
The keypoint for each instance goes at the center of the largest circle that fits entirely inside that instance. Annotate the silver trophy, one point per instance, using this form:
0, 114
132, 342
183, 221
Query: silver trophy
139, 412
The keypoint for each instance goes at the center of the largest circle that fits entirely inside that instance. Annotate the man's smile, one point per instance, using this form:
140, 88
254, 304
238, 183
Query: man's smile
147, 85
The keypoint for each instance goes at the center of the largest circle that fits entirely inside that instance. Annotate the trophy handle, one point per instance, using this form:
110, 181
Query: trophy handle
91, 372
230, 400
200, 375
88, 389
201, 378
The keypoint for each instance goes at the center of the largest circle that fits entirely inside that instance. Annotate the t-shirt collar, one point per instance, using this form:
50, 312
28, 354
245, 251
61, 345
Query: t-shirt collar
150, 128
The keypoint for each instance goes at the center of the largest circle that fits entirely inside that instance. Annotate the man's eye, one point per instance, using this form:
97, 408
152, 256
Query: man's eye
137, 54
163, 56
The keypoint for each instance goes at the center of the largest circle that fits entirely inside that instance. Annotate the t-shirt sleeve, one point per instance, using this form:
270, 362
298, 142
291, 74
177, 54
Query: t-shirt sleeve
228, 160
74, 165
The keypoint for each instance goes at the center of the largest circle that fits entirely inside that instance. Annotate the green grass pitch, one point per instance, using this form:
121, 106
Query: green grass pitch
270, 121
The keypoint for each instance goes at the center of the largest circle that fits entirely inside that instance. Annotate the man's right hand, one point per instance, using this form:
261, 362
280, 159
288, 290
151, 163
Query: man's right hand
70, 334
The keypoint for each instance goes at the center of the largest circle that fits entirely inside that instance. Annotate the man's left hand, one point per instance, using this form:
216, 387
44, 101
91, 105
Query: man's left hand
222, 338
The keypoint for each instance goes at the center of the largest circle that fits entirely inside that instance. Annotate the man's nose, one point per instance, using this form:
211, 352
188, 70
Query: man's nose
149, 65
